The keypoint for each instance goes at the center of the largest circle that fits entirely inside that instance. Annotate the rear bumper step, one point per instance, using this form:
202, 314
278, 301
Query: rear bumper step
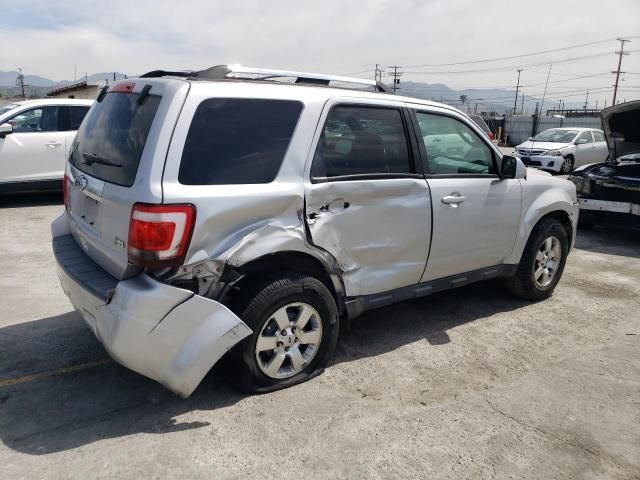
163, 332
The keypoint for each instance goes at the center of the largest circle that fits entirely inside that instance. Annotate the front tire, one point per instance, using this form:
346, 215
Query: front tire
542, 262
295, 326
567, 165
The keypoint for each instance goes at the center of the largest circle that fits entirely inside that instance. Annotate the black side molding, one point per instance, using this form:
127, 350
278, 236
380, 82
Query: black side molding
357, 305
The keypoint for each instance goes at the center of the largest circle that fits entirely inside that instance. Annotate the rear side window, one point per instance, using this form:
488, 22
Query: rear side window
598, 136
237, 141
110, 141
70, 118
362, 141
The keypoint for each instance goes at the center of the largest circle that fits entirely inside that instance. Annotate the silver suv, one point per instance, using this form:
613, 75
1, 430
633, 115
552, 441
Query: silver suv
252, 211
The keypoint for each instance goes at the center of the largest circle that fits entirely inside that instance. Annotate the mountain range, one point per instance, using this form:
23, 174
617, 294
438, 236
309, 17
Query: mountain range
37, 86
495, 100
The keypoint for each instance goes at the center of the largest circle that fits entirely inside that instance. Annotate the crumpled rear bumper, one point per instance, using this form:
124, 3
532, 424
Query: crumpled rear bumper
166, 333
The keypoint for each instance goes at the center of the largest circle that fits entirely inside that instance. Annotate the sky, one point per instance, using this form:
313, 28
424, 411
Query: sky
51, 38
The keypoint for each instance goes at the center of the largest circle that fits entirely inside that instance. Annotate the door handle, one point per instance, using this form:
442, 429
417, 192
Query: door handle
53, 144
454, 199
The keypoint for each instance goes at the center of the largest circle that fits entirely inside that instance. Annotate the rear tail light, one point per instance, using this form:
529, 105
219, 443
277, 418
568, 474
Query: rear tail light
65, 191
159, 235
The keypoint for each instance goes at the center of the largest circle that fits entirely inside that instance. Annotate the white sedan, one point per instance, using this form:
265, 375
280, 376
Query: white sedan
560, 150
35, 138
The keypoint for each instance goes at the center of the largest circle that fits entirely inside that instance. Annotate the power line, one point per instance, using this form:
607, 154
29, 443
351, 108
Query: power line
542, 52
507, 68
356, 73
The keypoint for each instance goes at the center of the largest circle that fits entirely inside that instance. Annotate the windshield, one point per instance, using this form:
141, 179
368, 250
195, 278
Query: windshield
556, 135
4, 109
110, 141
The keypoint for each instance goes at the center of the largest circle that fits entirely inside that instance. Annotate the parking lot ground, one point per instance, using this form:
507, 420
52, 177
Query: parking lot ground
469, 383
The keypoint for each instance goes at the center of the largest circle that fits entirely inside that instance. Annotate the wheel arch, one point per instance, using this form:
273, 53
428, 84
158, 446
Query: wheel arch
293, 261
553, 203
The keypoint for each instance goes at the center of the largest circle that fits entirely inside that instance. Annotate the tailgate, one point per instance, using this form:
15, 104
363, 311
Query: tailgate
116, 160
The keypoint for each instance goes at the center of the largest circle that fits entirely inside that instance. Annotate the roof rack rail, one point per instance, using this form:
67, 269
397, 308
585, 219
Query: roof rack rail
221, 72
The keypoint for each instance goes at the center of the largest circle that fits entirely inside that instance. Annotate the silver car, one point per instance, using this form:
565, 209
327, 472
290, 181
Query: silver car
246, 213
561, 150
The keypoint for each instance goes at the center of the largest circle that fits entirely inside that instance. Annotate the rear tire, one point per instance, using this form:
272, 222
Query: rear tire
542, 262
295, 326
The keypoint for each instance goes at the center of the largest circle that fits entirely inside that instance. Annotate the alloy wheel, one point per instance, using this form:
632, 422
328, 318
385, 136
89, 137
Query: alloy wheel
289, 340
547, 261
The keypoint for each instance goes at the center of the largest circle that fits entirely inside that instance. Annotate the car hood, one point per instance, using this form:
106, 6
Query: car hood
621, 124
542, 145
537, 171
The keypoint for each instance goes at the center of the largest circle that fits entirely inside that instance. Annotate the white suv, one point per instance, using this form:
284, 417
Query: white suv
255, 210
35, 139
560, 150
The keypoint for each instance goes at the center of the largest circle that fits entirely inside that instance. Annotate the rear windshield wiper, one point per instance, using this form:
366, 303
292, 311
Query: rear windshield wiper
91, 158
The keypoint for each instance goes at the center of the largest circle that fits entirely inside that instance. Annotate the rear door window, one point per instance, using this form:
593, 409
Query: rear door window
110, 141
359, 141
598, 136
70, 118
237, 141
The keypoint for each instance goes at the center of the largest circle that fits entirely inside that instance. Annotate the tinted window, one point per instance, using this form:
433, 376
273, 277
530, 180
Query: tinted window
42, 119
70, 118
452, 147
598, 136
235, 141
362, 141
110, 141
585, 137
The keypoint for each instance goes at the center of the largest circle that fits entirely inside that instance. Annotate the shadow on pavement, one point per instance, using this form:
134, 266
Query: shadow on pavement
610, 241
55, 413
37, 199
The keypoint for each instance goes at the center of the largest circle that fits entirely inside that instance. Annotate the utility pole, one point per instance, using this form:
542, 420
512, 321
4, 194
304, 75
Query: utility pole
586, 101
379, 72
396, 77
515, 102
20, 82
522, 103
620, 53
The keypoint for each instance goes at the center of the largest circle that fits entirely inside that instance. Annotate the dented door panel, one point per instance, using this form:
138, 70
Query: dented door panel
378, 230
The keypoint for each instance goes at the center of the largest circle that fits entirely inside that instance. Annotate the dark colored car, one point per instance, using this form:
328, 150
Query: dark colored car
609, 192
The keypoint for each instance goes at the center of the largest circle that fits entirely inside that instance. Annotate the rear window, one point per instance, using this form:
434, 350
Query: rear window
112, 137
237, 141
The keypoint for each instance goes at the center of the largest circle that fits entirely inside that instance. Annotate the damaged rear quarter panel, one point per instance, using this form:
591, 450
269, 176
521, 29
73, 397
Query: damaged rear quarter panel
239, 223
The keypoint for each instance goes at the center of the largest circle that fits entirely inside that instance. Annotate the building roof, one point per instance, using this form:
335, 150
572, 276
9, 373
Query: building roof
83, 85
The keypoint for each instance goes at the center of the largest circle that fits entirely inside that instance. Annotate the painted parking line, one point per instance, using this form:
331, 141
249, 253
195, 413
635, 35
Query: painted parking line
53, 373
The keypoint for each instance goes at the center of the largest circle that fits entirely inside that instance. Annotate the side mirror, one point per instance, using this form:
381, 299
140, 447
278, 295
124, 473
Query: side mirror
512, 167
581, 141
530, 139
5, 129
